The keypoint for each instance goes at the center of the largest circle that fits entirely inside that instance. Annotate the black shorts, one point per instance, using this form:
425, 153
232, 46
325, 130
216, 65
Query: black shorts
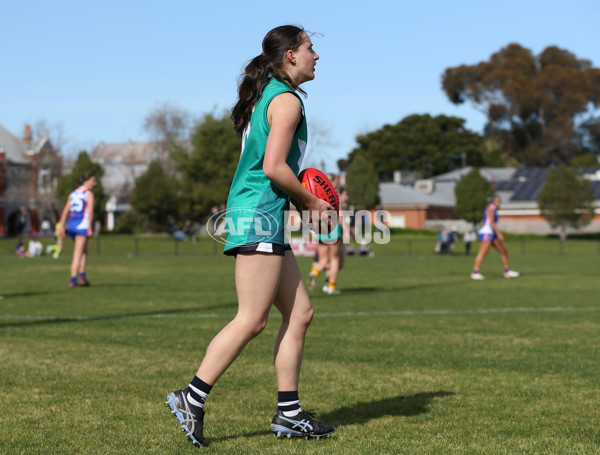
261, 247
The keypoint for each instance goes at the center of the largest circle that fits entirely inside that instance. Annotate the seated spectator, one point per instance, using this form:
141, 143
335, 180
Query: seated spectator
34, 248
20, 249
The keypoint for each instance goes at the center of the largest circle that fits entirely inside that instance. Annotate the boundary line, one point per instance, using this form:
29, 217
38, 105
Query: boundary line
346, 314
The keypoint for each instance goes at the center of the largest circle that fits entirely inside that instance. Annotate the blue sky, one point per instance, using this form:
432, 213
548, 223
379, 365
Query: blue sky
97, 68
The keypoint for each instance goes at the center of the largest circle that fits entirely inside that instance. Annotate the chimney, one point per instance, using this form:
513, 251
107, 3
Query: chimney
27, 133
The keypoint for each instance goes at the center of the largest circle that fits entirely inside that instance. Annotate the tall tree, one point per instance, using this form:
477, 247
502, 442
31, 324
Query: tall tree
430, 145
167, 124
155, 195
362, 183
543, 108
207, 168
471, 193
69, 182
566, 199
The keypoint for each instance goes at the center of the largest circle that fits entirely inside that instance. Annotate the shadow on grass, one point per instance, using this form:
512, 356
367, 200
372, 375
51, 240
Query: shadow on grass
50, 320
317, 294
12, 295
362, 412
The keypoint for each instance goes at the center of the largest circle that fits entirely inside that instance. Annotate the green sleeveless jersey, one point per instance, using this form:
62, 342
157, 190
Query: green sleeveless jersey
335, 235
255, 206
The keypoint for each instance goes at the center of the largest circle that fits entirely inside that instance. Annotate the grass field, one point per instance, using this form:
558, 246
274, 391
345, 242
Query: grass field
412, 358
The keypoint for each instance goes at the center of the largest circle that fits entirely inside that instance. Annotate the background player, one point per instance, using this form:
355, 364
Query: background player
80, 212
330, 254
490, 235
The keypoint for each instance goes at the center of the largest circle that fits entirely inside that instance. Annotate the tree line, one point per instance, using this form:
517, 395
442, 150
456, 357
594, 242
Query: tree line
541, 110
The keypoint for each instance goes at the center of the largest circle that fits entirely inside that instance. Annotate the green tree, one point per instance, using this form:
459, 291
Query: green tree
430, 145
566, 199
585, 161
207, 168
544, 109
471, 193
155, 195
362, 183
67, 183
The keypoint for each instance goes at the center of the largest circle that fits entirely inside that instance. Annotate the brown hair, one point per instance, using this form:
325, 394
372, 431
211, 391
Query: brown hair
84, 177
262, 68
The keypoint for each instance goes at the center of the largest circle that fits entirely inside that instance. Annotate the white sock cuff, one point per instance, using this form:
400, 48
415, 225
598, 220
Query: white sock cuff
194, 402
288, 403
198, 391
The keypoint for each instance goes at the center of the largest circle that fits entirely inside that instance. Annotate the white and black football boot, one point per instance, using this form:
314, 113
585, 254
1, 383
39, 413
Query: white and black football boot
302, 425
190, 417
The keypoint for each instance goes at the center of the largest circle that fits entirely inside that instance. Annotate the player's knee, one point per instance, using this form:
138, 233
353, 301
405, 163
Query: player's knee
305, 318
251, 327
257, 327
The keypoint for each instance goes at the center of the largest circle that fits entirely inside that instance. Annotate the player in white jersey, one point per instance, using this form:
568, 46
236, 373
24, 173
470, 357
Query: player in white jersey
490, 236
80, 212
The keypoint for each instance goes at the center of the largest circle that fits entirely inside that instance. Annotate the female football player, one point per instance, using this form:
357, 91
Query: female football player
330, 255
490, 236
80, 210
270, 117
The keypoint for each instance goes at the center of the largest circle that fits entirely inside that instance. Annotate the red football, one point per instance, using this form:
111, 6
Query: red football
319, 184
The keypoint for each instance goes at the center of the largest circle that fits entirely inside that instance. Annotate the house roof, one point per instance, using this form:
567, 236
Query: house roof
397, 194
518, 188
15, 148
490, 173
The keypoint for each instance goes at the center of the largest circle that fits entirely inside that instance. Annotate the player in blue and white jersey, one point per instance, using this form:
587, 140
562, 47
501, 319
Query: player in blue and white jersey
80, 213
490, 236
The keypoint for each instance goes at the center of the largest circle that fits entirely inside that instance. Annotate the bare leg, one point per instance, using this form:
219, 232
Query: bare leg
323, 252
501, 247
333, 252
83, 257
78, 252
484, 247
257, 277
297, 312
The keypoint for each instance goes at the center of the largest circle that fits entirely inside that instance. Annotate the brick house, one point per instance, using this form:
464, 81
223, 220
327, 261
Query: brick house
429, 204
29, 172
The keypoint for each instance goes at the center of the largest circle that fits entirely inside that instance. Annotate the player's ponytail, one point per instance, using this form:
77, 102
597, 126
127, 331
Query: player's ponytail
84, 177
261, 68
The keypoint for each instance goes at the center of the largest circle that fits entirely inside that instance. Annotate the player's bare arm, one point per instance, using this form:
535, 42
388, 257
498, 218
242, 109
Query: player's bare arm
283, 115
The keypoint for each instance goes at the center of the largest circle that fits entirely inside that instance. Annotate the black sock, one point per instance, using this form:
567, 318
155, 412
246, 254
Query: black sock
288, 403
198, 391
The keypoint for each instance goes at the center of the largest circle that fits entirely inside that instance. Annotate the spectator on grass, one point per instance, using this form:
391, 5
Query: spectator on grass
453, 238
469, 238
20, 248
443, 241
174, 230
34, 248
